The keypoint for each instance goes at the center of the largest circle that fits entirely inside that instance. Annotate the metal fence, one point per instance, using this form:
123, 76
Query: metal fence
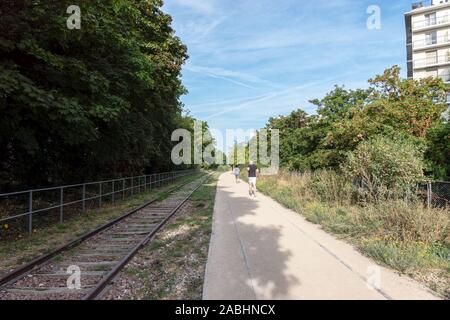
39, 201
437, 193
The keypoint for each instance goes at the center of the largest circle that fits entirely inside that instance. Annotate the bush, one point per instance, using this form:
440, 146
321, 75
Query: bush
386, 167
438, 151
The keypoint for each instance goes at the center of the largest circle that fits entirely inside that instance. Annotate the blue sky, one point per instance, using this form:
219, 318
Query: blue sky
253, 59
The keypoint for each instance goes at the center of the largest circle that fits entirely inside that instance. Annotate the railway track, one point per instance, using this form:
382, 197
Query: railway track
96, 257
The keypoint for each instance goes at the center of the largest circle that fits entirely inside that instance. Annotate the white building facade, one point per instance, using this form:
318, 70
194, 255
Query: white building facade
428, 40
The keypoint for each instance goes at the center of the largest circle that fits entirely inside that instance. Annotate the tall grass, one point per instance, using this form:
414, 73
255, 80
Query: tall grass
401, 233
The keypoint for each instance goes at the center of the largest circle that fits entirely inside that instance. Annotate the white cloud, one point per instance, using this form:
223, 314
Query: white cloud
237, 77
289, 97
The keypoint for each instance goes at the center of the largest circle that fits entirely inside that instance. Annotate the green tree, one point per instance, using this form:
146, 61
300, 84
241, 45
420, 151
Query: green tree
408, 105
79, 104
438, 151
345, 118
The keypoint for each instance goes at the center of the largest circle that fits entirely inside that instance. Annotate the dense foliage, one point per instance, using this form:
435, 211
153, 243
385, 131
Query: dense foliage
385, 167
399, 109
79, 104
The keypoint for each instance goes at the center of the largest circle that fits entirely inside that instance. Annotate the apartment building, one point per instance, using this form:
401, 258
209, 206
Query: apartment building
428, 40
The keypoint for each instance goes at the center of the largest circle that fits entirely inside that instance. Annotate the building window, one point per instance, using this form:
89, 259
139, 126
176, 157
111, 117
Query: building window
430, 19
432, 72
431, 38
431, 57
446, 75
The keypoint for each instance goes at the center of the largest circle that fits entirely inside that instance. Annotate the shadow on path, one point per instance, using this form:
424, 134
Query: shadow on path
266, 260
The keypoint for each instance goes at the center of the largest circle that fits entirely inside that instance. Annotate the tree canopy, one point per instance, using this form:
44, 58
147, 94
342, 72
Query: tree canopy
391, 106
98, 101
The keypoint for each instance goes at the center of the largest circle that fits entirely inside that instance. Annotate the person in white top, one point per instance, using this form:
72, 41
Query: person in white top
236, 173
252, 172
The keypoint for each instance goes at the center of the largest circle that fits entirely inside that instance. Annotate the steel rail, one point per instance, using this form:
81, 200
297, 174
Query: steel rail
97, 291
21, 271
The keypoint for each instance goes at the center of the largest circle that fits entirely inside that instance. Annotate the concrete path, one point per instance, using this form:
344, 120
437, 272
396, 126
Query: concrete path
261, 250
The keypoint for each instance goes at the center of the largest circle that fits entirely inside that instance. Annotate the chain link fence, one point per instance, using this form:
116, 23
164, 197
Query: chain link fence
436, 194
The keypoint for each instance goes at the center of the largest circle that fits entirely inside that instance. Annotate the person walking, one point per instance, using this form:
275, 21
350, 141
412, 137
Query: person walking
237, 172
252, 170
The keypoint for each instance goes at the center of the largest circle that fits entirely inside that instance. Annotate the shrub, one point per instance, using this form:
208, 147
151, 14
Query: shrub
386, 167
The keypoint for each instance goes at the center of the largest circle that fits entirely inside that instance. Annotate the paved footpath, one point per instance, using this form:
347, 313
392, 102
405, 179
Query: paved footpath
261, 250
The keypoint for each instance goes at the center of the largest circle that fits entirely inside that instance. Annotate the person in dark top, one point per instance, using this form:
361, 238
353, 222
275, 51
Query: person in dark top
252, 173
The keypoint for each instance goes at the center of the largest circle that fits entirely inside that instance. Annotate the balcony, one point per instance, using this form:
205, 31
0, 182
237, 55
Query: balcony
432, 62
434, 22
426, 43
421, 4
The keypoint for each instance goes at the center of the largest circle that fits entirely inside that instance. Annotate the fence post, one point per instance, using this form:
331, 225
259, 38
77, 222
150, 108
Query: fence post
61, 203
84, 198
132, 186
113, 192
139, 184
429, 194
100, 194
30, 216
